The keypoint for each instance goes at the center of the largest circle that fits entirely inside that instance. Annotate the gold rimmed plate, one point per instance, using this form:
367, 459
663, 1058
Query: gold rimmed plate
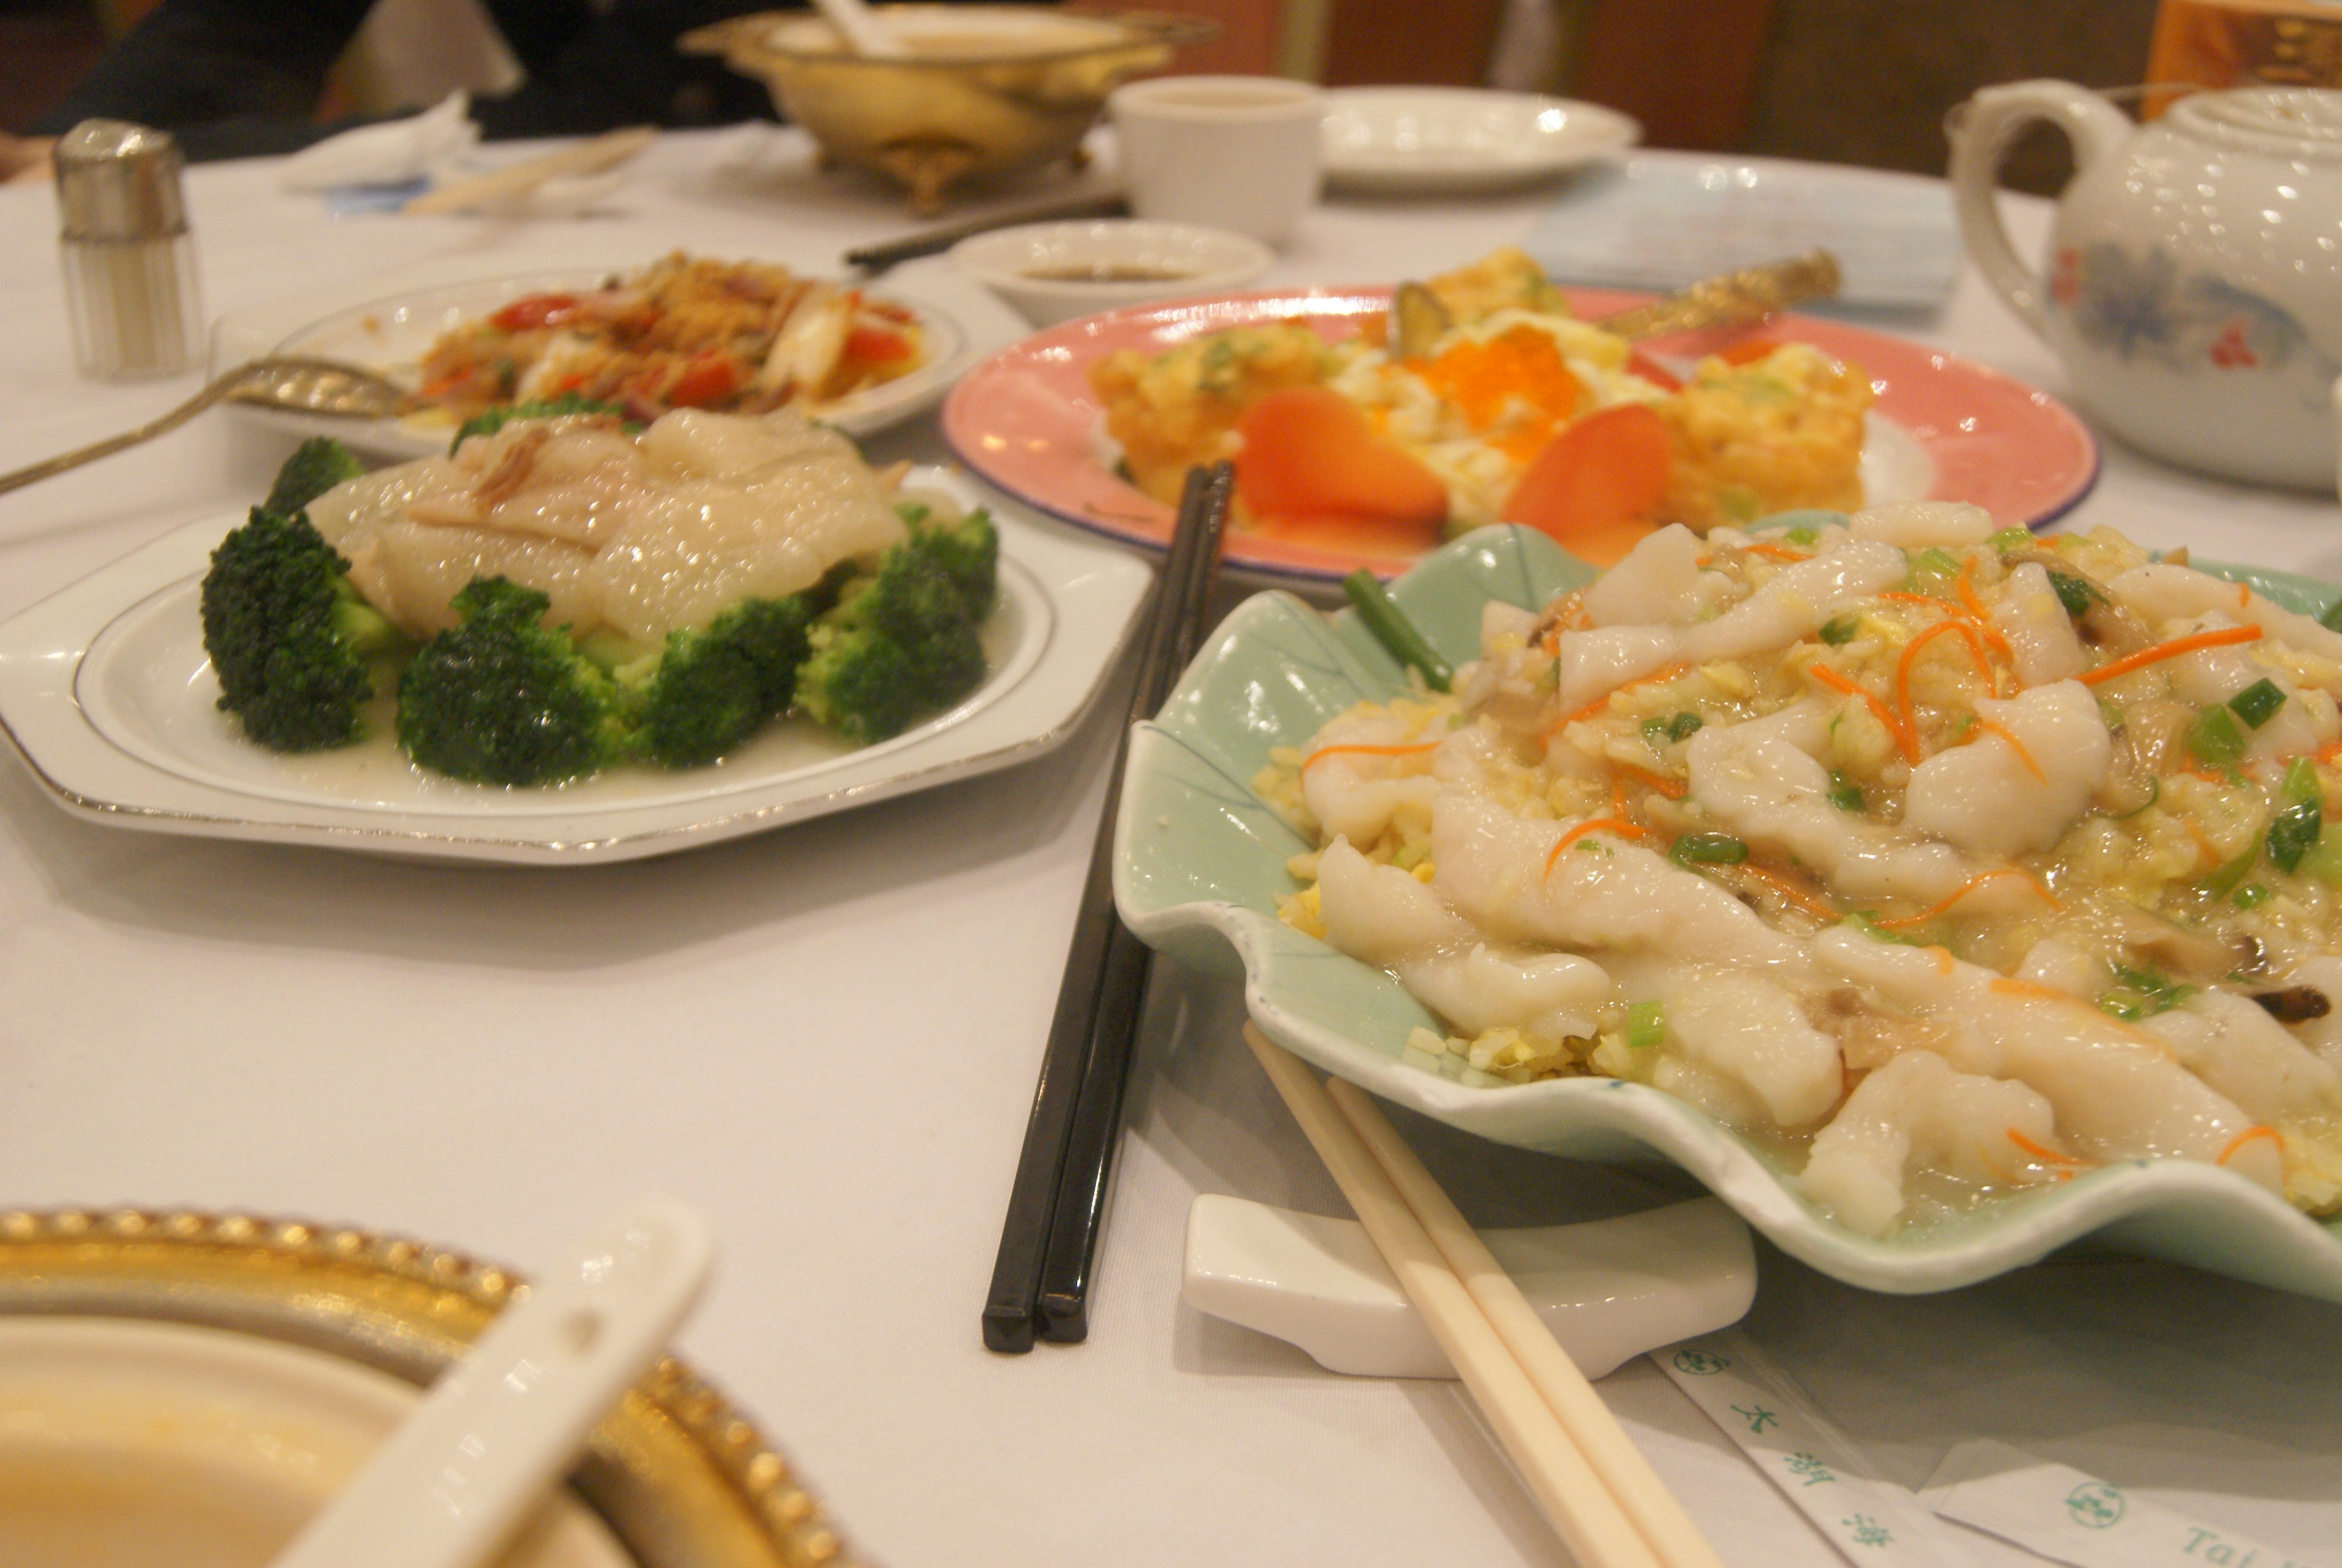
198, 1362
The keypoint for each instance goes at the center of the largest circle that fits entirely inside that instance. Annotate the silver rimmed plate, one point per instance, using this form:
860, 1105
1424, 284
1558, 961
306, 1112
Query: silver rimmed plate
389, 323
1434, 141
106, 691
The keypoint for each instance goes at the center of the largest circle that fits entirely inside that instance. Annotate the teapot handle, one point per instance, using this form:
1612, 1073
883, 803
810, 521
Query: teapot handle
1982, 130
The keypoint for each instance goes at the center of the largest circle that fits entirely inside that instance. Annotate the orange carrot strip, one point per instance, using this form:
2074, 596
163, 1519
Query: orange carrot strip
2048, 1157
1926, 601
2028, 989
1313, 758
1617, 796
1597, 825
1602, 702
2247, 1136
1965, 583
1811, 902
2226, 636
1766, 548
2014, 744
1674, 789
1960, 629
1957, 894
1905, 741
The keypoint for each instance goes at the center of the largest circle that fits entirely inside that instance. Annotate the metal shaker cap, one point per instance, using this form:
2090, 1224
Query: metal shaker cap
117, 180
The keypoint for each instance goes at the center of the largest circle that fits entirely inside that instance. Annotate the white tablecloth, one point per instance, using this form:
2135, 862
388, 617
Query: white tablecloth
826, 1038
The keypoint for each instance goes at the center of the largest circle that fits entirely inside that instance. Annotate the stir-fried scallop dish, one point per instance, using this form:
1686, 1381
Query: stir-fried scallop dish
1940, 862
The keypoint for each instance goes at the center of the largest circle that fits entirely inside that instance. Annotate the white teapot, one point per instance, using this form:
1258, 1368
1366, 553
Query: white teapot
2195, 284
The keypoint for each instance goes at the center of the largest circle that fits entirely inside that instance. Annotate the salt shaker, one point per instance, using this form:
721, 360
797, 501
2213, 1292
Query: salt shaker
129, 262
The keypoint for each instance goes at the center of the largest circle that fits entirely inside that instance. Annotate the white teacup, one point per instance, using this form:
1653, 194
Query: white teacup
1228, 151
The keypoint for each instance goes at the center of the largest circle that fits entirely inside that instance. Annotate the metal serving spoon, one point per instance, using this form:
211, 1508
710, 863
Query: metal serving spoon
303, 386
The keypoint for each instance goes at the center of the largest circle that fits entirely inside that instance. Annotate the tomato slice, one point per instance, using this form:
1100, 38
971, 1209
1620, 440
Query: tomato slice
708, 377
531, 311
1748, 351
1309, 453
1597, 485
876, 345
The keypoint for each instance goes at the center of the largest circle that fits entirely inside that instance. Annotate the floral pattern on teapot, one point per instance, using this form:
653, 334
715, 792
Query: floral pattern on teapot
2144, 306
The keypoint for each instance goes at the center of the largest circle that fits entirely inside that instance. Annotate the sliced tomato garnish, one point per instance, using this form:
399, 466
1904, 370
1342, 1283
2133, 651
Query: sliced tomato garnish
1651, 370
1310, 452
709, 378
1748, 351
876, 345
1597, 485
535, 310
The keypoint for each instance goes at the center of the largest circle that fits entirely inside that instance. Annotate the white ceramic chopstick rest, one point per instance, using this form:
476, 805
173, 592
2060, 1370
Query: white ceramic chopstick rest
1608, 1289
477, 1455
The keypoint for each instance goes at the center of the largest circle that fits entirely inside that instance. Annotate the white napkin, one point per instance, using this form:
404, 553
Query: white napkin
395, 153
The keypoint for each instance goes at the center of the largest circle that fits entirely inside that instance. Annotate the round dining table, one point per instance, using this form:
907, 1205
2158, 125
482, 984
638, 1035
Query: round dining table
824, 1038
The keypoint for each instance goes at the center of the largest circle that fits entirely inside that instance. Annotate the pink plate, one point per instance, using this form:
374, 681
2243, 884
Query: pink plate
1026, 420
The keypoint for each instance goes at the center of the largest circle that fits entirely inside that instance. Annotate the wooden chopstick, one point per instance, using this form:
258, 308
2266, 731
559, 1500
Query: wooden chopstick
604, 152
927, 242
1639, 1492
1069, 1138
1568, 1489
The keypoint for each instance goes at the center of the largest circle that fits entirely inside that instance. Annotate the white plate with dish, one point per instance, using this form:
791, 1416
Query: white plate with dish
388, 323
1429, 141
105, 690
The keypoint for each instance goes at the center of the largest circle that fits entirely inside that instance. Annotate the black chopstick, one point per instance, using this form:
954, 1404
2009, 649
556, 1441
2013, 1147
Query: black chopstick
1069, 1138
927, 242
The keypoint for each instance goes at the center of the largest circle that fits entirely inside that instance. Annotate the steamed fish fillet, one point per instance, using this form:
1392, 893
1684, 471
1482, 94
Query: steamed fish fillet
640, 536
1917, 1112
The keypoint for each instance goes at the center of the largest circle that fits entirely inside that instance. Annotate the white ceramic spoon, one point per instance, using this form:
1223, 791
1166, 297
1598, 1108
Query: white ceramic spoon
476, 1456
866, 32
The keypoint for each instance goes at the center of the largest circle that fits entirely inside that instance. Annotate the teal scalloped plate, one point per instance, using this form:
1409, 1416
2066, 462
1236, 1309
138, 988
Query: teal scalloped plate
1199, 862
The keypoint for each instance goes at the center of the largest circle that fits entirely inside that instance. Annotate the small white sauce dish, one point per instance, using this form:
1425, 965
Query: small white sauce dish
1059, 272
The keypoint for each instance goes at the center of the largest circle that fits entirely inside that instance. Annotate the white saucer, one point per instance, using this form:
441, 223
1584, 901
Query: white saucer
1434, 141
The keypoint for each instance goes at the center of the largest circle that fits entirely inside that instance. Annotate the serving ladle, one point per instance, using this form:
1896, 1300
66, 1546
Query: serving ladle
289, 382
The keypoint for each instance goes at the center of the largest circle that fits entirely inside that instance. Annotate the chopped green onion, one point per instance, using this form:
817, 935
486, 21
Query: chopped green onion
1393, 630
2009, 539
1802, 535
2258, 702
2300, 786
1838, 631
2215, 738
1646, 1024
2224, 878
2291, 832
2076, 594
1844, 794
1683, 726
1935, 560
2332, 619
1709, 849
2324, 861
1550, 682
2153, 794
2251, 893
913, 512
2142, 994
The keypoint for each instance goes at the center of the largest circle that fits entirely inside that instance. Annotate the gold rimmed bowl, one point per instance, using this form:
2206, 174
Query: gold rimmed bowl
986, 90
276, 1346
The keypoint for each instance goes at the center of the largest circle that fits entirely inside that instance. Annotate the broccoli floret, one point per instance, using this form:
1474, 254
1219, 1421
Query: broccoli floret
501, 698
494, 419
968, 550
316, 466
296, 650
707, 691
899, 643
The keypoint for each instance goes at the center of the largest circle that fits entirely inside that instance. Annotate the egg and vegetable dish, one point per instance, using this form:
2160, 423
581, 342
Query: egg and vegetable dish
1940, 862
1483, 399
558, 594
745, 337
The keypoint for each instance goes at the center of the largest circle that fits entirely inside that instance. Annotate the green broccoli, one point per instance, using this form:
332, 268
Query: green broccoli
707, 690
316, 466
296, 650
490, 421
899, 643
501, 698
968, 550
